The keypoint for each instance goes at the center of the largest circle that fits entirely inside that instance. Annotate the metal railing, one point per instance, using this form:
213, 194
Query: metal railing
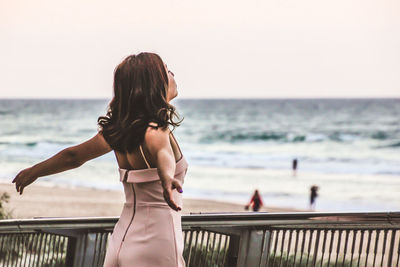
223, 239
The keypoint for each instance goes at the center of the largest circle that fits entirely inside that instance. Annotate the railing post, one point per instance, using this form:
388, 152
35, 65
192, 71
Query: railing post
71, 247
251, 248
233, 251
82, 250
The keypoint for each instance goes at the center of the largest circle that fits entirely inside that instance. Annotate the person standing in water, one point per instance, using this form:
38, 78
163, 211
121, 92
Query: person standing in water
313, 196
294, 166
255, 201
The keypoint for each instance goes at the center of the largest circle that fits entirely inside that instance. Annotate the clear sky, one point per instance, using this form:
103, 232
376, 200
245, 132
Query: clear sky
216, 48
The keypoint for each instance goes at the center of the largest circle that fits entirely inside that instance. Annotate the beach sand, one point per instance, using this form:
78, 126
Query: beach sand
57, 201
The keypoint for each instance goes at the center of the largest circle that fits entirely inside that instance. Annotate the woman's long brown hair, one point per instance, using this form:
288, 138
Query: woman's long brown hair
140, 97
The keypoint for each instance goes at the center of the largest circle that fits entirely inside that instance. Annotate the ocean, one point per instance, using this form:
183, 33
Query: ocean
350, 148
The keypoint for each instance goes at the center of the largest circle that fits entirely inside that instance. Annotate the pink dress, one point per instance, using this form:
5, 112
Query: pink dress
148, 232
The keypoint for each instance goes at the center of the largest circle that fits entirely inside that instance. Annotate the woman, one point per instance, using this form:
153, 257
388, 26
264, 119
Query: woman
151, 165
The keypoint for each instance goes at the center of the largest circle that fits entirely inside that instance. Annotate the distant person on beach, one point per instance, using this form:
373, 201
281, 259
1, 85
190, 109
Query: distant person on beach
313, 196
294, 167
255, 202
150, 163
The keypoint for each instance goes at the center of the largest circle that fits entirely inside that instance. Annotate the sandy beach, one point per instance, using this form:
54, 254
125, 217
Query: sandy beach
57, 201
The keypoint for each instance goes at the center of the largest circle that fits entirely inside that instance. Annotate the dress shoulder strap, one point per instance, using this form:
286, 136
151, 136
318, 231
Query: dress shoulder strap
176, 143
153, 125
145, 160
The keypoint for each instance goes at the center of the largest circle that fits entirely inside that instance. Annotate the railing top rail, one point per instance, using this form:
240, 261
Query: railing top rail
241, 219
60, 220
239, 216
295, 219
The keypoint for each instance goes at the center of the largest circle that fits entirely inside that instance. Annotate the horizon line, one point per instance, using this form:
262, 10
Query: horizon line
211, 98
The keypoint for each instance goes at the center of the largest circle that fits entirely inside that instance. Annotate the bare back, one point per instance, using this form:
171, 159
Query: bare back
136, 160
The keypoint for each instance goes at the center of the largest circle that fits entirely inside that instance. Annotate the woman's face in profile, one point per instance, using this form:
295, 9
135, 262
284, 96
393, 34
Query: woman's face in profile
172, 91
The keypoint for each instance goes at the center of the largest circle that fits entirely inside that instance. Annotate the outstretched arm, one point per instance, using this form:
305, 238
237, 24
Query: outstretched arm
159, 146
69, 158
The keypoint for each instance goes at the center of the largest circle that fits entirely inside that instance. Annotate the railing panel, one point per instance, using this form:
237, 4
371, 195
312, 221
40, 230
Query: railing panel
205, 248
35, 249
331, 247
257, 239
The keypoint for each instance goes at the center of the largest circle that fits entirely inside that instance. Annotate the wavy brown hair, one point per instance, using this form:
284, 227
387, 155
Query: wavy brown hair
140, 97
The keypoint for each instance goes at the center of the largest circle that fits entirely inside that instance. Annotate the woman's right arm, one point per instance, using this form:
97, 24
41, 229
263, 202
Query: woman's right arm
69, 158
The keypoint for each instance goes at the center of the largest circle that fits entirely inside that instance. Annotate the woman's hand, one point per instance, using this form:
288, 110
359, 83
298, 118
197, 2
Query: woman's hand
23, 179
167, 193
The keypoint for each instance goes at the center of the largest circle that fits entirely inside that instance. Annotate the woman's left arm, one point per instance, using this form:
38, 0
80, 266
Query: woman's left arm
69, 158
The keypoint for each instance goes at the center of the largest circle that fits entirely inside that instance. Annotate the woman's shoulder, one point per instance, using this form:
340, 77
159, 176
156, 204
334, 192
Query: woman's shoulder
156, 139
